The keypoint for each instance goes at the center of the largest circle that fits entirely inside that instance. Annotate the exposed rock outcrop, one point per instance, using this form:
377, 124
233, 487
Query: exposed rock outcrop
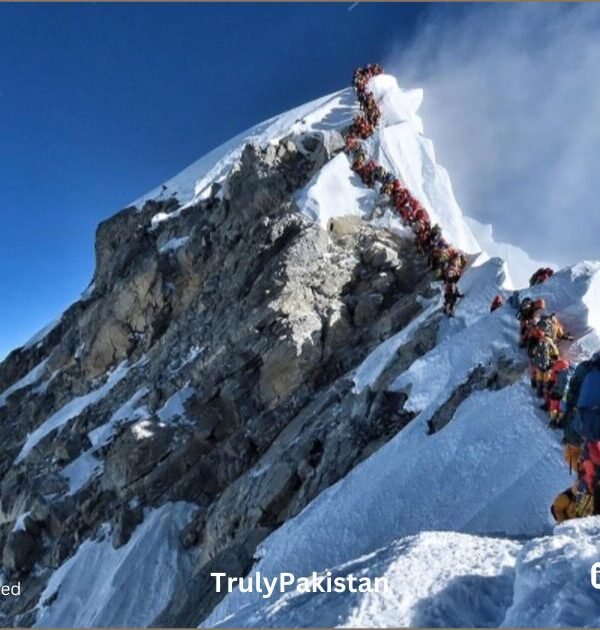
209, 362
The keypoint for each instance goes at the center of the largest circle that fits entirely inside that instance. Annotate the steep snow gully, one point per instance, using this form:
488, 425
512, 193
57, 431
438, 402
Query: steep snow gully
458, 521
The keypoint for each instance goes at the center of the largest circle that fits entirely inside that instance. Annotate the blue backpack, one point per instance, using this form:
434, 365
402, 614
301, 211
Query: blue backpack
587, 409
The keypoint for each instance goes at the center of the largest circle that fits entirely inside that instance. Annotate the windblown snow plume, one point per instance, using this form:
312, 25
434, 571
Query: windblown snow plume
512, 104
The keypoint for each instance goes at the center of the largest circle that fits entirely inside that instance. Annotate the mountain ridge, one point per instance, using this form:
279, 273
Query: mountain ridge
260, 348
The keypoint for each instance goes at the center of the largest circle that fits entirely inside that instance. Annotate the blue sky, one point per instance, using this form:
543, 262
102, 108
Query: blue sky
99, 103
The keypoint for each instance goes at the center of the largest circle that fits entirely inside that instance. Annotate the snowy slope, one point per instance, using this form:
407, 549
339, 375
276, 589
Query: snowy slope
72, 409
552, 585
435, 579
32, 377
327, 113
398, 145
457, 580
97, 588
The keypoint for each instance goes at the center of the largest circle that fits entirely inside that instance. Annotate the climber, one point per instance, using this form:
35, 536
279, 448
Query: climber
361, 127
528, 308
574, 502
438, 259
440, 244
513, 300
414, 211
352, 143
562, 372
373, 116
453, 269
372, 113
461, 260
407, 214
421, 231
367, 173
529, 311
400, 198
451, 297
435, 236
387, 186
419, 212
552, 327
379, 174
541, 275
559, 366
588, 468
432, 236
529, 333
531, 337
564, 506
578, 500
397, 187
544, 355
370, 102
581, 420
497, 302
359, 160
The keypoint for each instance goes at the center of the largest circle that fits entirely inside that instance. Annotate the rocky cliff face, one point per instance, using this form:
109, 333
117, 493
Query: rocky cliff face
208, 363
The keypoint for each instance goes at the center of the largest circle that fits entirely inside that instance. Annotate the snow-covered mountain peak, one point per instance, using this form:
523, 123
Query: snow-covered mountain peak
398, 144
332, 112
260, 379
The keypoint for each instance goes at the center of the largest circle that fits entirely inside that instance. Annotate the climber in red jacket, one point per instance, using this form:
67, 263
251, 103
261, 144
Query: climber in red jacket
352, 143
420, 213
367, 173
541, 275
497, 302
362, 127
422, 234
529, 313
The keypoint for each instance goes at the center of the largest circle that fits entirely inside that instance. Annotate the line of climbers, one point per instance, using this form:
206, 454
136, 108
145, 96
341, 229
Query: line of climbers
447, 262
540, 276
571, 396
581, 425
